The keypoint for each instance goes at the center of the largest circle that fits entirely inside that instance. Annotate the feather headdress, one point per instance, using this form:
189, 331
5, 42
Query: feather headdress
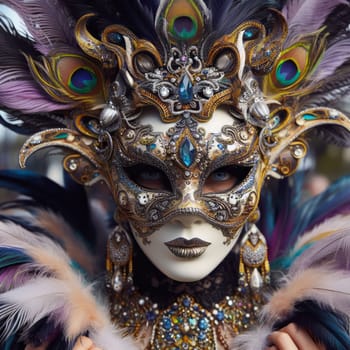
55, 80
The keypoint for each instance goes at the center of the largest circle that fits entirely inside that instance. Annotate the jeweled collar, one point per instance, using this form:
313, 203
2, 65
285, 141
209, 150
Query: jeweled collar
172, 315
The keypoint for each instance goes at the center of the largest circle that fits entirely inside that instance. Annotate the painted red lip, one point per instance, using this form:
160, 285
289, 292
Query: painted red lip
187, 243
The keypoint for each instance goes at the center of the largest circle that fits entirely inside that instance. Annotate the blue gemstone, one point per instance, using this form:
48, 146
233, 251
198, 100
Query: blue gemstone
168, 336
186, 302
187, 152
203, 324
186, 90
151, 147
201, 336
221, 146
166, 323
220, 315
150, 316
116, 38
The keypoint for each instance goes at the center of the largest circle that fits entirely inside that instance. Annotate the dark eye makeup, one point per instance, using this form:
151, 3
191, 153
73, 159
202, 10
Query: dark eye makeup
224, 179
220, 180
148, 177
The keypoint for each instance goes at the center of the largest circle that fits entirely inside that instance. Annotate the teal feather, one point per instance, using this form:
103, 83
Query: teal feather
13, 256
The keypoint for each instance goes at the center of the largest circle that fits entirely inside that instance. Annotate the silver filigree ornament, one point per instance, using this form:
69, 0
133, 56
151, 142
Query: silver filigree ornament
254, 265
253, 106
118, 108
119, 260
184, 84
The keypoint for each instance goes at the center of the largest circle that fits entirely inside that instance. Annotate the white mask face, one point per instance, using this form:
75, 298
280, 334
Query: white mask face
186, 214
186, 249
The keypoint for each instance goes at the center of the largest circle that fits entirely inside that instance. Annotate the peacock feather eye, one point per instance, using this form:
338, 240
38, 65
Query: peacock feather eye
184, 20
287, 72
78, 76
290, 69
83, 80
184, 28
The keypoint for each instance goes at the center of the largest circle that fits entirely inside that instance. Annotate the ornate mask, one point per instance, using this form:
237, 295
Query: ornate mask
160, 122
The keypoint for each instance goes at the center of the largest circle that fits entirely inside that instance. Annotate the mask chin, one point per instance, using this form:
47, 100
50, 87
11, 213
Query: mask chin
187, 249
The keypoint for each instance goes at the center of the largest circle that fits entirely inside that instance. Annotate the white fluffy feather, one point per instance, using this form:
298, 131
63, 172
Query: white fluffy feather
323, 285
334, 224
56, 289
251, 340
26, 305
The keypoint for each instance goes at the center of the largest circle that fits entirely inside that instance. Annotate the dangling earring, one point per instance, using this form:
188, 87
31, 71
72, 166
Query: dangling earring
119, 260
254, 267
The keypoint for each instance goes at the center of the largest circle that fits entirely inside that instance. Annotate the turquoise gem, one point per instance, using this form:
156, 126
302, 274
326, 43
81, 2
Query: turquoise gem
192, 322
309, 117
61, 136
187, 152
151, 147
250, 33
186, 90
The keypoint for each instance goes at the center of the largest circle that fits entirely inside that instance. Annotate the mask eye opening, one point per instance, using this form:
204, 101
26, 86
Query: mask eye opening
148, 177
224, 179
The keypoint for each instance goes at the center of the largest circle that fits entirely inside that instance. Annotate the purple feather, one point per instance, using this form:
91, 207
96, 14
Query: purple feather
30, 101
7, 277
333, 58
307, 16
47, 21
333, 250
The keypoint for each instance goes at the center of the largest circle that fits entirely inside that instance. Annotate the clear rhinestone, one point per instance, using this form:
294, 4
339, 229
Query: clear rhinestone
208, 92
73, 164
36, 140
298, 152
164, 92
117, 281
256, 280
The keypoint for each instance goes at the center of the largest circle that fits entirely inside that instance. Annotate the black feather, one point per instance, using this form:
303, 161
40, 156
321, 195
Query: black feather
137, 15
70, 203
228, 14
29, 124
323, 324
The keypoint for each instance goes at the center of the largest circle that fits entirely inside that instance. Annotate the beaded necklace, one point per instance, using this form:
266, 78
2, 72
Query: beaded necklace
185, 323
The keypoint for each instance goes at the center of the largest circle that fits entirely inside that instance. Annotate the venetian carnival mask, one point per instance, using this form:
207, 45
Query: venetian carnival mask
184, 130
